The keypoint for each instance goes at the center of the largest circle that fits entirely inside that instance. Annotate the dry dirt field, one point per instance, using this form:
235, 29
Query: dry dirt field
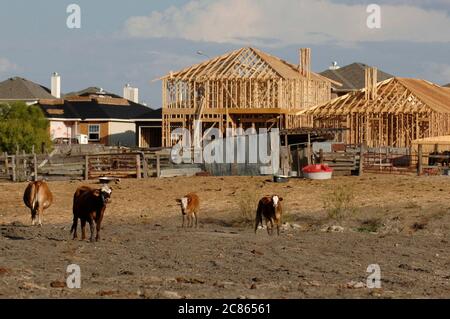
398, 222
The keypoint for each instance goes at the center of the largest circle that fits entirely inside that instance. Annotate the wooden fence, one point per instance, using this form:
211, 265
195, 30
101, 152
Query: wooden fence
82, 167
19, 167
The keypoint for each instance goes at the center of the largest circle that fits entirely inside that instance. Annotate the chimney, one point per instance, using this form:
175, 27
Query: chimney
305, 62
131, 93
371, 83
56, 85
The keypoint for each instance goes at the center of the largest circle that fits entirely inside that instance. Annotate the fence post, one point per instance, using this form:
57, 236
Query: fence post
17, 166
158, 165
308, 149
13, 167
86, 167
35, 166
144, 166
419, 160
361, 159
6, 164
138, 166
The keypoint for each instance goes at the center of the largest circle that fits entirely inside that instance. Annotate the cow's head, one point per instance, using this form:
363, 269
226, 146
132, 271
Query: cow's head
183, 203
105, 194
276, 200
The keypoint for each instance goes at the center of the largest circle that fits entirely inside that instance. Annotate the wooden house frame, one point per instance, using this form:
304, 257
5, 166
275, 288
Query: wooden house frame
391, 113
242, 89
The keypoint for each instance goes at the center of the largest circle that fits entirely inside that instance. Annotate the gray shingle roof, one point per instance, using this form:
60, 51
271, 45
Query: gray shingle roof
93, 109
352, 76
17, 88
91, 90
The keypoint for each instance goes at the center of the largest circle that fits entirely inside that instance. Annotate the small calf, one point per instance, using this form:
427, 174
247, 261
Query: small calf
89, 205
190, 205
270, 208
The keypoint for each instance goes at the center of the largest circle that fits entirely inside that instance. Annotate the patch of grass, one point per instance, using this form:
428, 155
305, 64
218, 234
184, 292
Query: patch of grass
339, 204
247, 202
371, 225
287, 217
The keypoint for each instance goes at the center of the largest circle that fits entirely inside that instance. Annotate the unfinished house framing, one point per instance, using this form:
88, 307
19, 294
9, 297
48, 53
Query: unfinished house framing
391, 113
242, 89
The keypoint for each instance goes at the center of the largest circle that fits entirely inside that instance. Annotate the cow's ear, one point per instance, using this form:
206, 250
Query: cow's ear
178, 200
97, 192
280, 199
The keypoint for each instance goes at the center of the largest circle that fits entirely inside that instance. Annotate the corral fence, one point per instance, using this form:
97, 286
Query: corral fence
19, 167
392, 160
58, 166
389, 160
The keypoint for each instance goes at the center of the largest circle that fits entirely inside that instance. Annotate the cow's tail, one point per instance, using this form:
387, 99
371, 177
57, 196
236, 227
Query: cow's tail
74, 224
34, 199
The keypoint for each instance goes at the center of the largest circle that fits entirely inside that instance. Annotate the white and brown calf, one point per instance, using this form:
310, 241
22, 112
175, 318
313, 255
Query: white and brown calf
270, 208
190, 206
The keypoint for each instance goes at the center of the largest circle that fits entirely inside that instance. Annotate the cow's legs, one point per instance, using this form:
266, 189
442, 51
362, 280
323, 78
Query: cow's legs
196, 220
33, 217
97, 237
83, 229
40, 215
271, 226
92, 229
74, 227
182, 225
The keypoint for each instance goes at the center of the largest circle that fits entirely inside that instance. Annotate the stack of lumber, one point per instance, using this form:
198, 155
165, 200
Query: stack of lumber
342, 163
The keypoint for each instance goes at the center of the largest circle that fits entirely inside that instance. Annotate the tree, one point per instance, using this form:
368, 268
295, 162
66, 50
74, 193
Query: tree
24, 126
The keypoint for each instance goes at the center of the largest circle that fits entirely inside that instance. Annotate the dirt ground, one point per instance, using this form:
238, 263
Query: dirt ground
400, 223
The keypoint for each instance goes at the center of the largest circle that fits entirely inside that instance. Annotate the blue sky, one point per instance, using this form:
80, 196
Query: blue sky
136, 41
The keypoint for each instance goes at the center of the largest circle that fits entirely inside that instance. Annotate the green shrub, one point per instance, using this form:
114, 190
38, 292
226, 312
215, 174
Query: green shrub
23, 126
339, 204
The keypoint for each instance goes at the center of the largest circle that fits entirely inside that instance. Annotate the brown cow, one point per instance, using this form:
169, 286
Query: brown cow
37, 197
270, 208
190, 206
89, 205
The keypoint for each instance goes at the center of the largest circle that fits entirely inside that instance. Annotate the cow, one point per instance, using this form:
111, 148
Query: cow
89, 205
270, 208
37, 197
190, 206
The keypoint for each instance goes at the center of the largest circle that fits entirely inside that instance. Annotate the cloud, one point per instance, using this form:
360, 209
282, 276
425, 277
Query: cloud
289, 22
6, 65
438, 71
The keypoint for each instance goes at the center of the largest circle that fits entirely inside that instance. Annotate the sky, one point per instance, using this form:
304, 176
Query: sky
138, 41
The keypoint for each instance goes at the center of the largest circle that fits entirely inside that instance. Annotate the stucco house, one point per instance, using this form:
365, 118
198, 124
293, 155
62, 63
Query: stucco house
103, 117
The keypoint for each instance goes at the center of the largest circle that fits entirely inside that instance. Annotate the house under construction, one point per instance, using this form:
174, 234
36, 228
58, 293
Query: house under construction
392, 113
242, 89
